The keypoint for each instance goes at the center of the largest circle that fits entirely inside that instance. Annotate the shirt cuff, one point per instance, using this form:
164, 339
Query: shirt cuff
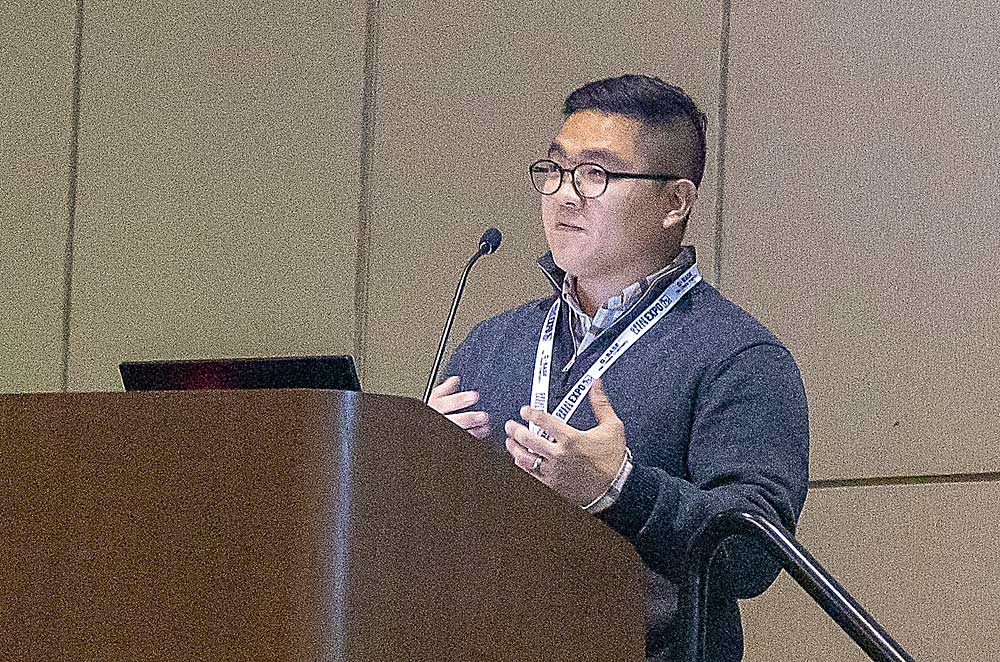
634, 506
610, 495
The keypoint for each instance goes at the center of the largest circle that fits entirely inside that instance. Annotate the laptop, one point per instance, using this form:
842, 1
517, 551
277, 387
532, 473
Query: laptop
325, 372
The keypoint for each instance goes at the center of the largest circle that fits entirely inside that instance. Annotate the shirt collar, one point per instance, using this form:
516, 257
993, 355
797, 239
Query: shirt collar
619, 301
557, 276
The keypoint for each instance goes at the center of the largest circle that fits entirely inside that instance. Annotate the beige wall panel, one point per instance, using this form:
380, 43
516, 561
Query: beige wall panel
922, 559
218, 182
36, 91
468, 95
862, 190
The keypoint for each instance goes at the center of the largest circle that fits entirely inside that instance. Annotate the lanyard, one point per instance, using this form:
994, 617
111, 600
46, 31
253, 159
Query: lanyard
643, 323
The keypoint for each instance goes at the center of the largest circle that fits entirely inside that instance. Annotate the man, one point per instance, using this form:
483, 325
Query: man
694, 408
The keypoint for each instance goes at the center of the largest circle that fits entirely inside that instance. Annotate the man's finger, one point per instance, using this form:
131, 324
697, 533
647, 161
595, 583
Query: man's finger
529, 440
556, 428
523, 457
481, 432
519, 454
470, 419
449, 403
447, 387
515, 447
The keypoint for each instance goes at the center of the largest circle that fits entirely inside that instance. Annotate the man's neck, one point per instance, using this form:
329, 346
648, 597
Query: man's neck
592, 292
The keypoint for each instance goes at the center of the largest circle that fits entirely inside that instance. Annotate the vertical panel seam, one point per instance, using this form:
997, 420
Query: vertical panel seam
74, 159
723, 127
363, 262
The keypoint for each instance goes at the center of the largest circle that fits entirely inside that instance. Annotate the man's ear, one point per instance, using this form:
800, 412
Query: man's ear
683, 195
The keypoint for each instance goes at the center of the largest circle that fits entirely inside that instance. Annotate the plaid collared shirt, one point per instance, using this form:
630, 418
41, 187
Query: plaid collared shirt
586, 329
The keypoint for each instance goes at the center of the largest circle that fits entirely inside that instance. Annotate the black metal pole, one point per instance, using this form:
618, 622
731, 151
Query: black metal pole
447, 326
796, 560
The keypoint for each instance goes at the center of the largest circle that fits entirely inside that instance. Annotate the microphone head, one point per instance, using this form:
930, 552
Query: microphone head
490, 241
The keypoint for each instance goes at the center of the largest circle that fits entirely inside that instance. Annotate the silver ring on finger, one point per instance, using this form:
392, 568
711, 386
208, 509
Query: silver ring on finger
536, 465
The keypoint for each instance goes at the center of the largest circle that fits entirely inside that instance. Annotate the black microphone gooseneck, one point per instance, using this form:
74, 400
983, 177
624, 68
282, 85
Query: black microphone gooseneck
488, 243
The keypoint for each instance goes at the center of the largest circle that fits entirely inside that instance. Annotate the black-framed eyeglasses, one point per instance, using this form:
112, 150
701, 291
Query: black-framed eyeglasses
589, 179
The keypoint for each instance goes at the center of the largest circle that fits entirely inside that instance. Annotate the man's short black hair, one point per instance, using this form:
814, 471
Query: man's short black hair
650, 100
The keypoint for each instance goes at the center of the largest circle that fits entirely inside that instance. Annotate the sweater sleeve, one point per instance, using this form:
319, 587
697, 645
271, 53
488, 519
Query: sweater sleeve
748, 449
463, 360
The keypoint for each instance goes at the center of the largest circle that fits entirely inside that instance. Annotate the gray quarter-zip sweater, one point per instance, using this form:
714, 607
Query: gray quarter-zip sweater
715, 415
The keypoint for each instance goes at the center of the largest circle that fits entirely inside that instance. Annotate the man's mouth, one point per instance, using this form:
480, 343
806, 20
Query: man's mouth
568, 227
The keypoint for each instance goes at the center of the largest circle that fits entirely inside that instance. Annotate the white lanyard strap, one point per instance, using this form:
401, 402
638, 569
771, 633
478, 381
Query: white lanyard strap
628, 337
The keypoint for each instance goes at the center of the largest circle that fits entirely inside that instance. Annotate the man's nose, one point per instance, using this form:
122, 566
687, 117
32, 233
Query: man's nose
567, 194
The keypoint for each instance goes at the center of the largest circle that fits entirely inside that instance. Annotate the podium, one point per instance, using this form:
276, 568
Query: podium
292, 525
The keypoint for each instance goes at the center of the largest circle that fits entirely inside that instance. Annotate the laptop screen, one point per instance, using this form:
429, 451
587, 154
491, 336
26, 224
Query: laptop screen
325, 372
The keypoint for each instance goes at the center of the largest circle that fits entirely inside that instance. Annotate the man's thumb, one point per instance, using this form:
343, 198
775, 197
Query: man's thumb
599, 401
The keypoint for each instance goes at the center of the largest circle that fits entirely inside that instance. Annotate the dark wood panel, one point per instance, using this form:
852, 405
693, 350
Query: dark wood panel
292, 525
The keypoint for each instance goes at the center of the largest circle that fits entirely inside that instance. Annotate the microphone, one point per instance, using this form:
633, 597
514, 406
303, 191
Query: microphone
488, 243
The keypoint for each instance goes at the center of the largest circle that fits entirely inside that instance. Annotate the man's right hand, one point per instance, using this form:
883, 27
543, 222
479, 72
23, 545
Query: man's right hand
446, 398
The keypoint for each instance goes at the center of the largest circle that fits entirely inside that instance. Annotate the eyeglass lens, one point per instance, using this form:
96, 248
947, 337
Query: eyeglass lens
589, 179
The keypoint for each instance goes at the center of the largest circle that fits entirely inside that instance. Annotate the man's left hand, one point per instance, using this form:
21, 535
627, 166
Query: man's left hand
578, 464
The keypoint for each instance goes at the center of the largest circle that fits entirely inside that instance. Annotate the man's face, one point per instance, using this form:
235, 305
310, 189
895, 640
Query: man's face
621, 231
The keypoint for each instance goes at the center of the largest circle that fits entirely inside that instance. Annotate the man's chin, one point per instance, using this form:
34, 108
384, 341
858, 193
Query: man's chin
569, 262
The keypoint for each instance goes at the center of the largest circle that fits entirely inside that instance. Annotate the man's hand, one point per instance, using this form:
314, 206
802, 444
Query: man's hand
445, 398
578, 464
